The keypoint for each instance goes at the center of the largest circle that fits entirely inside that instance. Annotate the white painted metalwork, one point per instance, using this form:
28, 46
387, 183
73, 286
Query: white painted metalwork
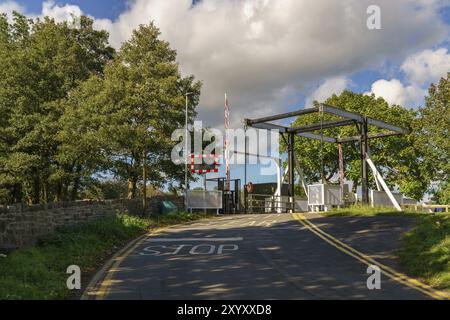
200, 199
380, 179
382, 199
323, 195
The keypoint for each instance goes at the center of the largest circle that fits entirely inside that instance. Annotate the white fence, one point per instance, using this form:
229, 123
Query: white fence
198, 199
381, 199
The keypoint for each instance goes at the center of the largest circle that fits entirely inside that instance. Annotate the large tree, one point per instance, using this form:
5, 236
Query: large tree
138, 103
398, 158
433, 136
41, 61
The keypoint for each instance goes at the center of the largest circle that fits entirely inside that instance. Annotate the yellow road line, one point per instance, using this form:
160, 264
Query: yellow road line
115, 263
389, 272
105, 284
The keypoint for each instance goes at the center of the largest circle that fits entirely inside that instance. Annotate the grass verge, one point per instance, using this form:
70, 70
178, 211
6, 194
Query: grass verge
365, 211
425, 250
39, 273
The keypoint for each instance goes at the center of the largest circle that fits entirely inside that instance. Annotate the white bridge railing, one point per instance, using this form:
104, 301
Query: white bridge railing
199, 199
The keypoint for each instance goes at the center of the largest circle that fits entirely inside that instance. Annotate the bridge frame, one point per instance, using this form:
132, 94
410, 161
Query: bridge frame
348, 118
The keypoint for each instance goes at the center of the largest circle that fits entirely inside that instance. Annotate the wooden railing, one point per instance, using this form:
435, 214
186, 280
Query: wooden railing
426, 207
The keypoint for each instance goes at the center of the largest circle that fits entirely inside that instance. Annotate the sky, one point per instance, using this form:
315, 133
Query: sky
273, 56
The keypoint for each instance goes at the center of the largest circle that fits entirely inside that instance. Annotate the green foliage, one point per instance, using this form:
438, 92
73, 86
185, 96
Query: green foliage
41, 61
72, 108
127, 116
426, 250
442, 194
433, 137
104, 190
40, 272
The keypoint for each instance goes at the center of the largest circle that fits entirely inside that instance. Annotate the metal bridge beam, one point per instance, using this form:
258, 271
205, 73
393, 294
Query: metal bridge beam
319, 126
317, 137
270, 126
388, 126
342, 113
374, 136
251, 122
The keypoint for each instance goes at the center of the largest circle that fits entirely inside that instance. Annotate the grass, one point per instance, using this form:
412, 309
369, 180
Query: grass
39, 273
367, 211
425, 250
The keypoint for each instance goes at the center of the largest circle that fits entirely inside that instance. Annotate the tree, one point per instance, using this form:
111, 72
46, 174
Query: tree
141, 101
433, 136
41, 61
398, 158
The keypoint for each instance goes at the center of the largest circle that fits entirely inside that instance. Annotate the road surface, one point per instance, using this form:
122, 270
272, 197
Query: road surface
260, 257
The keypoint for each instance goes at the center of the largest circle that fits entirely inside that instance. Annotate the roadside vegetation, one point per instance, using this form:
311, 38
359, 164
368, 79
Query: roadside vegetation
40, 272
425, 250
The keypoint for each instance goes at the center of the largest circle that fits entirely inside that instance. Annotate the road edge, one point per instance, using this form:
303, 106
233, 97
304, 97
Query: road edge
95, 284
98, 286
366, 259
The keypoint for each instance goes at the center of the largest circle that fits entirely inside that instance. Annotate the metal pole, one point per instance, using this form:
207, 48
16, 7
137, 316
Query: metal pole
291, 169
245, 173
227, 144
341, 169
187, 153
364, 173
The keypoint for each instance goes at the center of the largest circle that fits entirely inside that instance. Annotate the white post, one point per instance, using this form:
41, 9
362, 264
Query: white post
300, 173
378, 177
187, 154
279, 185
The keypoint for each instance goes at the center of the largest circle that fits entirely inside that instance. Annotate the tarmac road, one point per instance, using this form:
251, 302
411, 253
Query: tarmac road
260, 257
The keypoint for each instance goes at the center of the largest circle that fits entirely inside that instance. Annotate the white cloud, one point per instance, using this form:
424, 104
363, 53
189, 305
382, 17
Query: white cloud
60, 13
394, 92
9, 6
427, 66
329, 87
421, 69
265, 53
256, 49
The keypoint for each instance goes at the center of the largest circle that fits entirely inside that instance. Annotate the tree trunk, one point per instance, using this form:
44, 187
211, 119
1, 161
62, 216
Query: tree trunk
17, 193
59, 187
323, 176
36, 189
355, 186
45, 192
144, 184
132, 187
76, 184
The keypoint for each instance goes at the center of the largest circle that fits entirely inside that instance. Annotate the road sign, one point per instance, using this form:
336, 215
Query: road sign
204, 167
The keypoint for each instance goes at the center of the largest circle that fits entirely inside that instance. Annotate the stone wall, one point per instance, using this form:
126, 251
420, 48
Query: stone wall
23, 225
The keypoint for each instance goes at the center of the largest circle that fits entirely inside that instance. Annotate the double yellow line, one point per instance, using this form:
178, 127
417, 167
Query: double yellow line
365, 259
100, 285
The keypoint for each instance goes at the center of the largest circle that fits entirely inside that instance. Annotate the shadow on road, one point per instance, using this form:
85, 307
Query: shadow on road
259, 257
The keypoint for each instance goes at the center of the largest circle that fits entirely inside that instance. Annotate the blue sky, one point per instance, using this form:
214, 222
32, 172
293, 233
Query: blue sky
109, 9
270, 59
